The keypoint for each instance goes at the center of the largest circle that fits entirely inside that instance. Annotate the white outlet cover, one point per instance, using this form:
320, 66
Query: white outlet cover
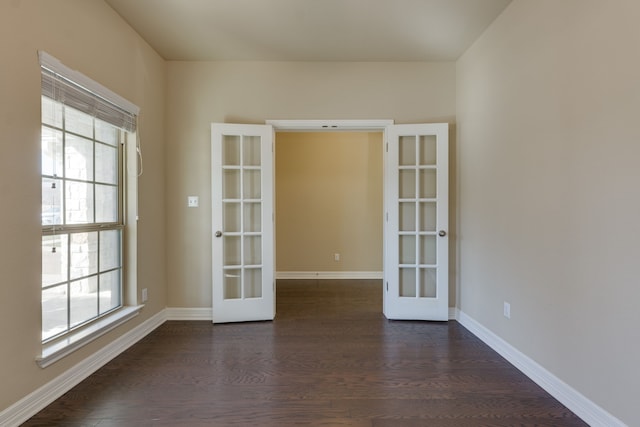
193, 201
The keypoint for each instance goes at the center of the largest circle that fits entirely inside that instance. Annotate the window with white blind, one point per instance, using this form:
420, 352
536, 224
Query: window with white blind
84, 131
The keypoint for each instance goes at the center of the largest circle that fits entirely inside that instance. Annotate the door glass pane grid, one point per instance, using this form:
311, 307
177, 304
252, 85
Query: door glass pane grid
407, 216
242, 222
417, 216
231, 285
428, 283
427, 149
252, 281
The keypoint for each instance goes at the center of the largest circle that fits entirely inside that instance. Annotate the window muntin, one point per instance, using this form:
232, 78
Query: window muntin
82, 218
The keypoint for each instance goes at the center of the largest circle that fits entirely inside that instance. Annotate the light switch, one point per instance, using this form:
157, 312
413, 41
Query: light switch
192, 201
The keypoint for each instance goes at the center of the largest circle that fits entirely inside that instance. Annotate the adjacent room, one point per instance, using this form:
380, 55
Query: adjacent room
119, 153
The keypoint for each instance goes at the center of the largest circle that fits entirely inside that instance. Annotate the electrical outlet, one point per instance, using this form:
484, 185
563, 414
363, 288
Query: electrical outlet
193, 201
144, 295
507, 310
336, 257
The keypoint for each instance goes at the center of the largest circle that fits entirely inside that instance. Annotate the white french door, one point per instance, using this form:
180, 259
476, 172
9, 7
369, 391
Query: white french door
416, 222
243, 227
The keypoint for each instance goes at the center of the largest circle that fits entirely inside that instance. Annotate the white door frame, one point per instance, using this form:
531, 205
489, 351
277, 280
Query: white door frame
341, 125
328, 125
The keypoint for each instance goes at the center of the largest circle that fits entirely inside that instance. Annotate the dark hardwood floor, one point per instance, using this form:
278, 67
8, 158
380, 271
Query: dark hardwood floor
329, 359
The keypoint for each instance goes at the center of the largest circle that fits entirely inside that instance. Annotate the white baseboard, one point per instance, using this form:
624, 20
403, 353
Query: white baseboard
341, 275
584, 408
33, 403
453, 313
185, 313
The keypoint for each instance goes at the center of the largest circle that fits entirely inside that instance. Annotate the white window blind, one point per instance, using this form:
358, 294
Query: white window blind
75, 90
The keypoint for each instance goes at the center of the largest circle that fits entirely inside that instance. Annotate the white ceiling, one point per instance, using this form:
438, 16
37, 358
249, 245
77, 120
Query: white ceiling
309, 30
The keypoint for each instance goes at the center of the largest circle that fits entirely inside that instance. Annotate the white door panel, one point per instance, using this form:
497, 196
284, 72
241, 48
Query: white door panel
416, 226
242, 219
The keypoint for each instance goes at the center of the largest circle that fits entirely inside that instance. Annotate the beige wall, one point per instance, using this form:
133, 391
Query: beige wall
329, 200
549, 200
88, 36
251, 92
547, 197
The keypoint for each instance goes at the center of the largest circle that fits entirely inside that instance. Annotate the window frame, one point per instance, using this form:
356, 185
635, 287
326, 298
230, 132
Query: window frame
99, 102
69, 229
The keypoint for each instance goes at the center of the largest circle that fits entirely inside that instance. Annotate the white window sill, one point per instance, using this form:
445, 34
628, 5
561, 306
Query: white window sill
52, 352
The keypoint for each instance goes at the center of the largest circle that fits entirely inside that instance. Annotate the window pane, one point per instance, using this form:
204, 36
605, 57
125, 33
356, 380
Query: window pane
232, 289
78, 158
428, 283
231, 217
109, 249
84, 300
428, 217
231, 150
106, 203
231, 186
106, 164
51, 112
84, 254
407, 282
54, 259
79, 206
109, 291
252, 188
407, 150
54, 311
78, 122
428, 188
253, 283
51, 156
232, 254
428, 250
52, 201
251, 151
407, 182
428, 148
252, 217
407, 249
106, 132
407, 216
81, 179
252, 250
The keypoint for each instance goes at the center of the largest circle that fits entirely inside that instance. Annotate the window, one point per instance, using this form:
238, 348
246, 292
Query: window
83, 218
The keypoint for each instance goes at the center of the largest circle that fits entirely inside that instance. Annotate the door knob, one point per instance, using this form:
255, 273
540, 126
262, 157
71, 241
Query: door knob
218, 233
442, 233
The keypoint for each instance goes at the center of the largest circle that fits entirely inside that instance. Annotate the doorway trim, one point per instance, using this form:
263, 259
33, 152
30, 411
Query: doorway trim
328, 125
364, 125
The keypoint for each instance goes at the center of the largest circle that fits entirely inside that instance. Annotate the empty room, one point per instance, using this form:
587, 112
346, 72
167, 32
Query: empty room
340, 212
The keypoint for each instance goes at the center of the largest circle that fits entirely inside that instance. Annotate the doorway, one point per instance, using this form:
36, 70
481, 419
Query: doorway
329, 205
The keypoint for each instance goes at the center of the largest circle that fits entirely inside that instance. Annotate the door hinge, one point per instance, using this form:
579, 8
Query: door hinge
387, 145
387, 216
387, 286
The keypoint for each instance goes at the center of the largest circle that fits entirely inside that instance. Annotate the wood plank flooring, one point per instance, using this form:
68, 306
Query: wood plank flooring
329, 359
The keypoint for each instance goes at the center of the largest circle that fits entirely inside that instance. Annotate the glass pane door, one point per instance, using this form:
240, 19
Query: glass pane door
242, 205
416, 200
242, 227
417, 203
